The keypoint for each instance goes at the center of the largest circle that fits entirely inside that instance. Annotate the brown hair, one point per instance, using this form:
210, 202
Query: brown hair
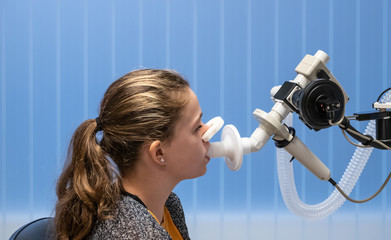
140, 107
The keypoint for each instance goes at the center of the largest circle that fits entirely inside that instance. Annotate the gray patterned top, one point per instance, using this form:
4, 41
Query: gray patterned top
133, 221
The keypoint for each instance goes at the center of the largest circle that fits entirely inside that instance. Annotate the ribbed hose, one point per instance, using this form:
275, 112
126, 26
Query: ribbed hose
347, 182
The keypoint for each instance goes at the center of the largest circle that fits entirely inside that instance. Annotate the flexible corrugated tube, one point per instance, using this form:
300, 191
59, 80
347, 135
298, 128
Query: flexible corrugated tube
347, 182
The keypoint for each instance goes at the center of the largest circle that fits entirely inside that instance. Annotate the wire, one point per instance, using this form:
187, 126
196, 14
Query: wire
382, 144
360, 201
358, 134
334, 124
355, 144
381, 94
368, 139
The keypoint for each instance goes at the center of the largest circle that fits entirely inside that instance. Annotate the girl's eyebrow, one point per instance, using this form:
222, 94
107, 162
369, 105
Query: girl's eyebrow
198, 119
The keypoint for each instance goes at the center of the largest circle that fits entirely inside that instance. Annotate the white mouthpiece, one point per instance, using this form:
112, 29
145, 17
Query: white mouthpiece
230, 148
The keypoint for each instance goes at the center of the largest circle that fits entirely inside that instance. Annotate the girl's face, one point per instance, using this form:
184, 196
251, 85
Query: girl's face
186, 153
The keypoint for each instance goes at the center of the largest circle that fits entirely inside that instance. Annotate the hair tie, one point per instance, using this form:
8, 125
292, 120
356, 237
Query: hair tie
98, 124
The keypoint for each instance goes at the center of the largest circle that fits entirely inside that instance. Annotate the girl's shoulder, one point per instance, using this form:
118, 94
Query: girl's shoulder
174, 206
129, 220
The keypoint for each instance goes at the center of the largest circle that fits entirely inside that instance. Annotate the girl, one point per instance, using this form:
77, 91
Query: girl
119, 186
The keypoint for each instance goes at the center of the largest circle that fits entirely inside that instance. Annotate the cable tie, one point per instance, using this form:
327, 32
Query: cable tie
368, 142
346, 126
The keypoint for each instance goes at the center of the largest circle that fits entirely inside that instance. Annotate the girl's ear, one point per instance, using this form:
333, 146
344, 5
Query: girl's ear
156, 152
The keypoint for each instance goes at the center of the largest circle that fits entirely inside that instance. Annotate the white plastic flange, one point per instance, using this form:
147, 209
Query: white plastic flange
230, 147
215, 125
234, 148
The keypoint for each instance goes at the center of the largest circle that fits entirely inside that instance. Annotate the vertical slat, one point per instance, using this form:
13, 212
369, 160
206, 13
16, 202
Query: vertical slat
126, 37
195, 46
99, 56
208, 84
344, 69
248, 116
263, 161
3, 121
317, 37
195, 89
73, 73
357, 93
58, 87
167, 35
140, 33
153, 34
276, 78
304, 22
31, 109
113, 40
358, 55
331, 136
178, 52
85, 60
42, 104
17, 109
303, 127
304, 28
385, 81
222, 107
331, 67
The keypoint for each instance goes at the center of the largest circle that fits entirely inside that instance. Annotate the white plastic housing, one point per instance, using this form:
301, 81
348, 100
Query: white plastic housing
301, 152
382, 105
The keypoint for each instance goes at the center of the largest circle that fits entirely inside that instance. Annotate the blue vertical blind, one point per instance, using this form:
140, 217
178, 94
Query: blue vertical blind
58, 57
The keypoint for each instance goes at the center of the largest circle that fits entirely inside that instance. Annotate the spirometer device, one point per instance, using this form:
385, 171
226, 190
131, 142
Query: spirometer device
319, 100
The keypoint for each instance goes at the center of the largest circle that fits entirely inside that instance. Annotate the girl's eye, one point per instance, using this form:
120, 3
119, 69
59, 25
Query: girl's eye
198, 128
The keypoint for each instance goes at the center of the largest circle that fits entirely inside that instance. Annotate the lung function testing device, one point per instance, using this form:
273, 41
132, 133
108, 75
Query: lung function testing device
319, 100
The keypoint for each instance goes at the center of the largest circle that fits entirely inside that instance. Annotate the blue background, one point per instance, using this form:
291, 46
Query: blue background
58, 57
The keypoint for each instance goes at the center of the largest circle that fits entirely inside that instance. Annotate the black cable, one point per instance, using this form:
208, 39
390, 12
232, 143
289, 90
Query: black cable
383, 93
364, 139
360, 201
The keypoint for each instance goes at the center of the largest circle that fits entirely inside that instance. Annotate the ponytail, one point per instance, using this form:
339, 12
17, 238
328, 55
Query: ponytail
88, 188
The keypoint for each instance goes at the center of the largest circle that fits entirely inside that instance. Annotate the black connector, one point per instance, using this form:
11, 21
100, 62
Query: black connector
332, 182
283, 94
365, 116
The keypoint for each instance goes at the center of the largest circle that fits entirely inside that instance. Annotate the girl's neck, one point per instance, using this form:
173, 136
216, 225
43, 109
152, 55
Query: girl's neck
153, 190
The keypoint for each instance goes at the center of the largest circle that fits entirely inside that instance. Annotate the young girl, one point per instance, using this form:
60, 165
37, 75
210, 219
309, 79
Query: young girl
119, 185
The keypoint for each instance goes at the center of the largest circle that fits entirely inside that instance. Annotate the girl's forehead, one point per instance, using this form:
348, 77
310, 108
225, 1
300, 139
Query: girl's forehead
192, 110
